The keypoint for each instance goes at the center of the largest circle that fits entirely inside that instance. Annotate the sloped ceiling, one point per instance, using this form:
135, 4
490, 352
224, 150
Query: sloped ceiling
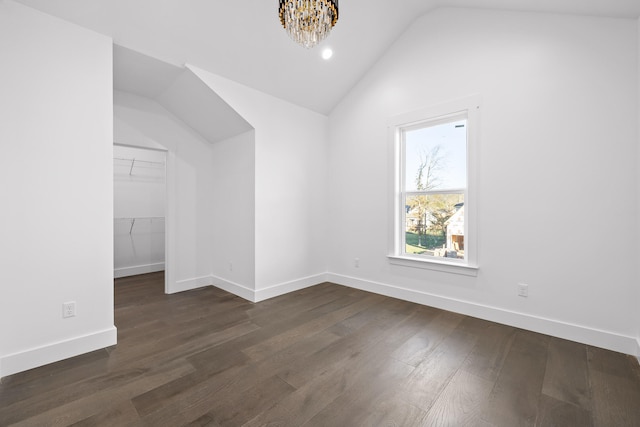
140, 74
179, 91
243, 40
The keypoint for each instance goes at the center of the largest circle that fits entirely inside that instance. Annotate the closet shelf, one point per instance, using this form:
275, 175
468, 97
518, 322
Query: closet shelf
135, 162
133, 220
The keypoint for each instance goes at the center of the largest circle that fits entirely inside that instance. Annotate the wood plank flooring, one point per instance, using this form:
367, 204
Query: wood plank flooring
323, 356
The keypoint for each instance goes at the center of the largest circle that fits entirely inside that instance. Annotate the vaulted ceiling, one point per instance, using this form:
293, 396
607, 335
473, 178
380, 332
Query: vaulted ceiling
243, 40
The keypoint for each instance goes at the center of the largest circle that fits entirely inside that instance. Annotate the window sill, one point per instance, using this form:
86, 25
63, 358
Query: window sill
434, 264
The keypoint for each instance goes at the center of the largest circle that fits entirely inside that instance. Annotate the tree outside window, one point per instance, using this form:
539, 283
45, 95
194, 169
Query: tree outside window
434, 160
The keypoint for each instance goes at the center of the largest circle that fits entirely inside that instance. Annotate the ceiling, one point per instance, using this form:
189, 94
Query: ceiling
243, 40
179, 91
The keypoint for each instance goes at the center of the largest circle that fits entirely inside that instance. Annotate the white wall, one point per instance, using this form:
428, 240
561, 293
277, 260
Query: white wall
557, 169
559, 141
56, 229
139, 199
290, 187
142, 122
233, 257
638, 215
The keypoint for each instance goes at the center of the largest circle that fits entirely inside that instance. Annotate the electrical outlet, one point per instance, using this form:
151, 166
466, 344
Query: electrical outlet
356, 262
523, 290
69, 309
230, 266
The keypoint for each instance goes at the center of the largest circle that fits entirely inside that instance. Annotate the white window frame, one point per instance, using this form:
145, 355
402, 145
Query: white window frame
468, 108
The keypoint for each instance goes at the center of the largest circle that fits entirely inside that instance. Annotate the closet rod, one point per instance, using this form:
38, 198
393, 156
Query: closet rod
129, 218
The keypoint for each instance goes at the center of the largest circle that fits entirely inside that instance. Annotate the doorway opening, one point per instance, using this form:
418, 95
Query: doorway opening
139, 210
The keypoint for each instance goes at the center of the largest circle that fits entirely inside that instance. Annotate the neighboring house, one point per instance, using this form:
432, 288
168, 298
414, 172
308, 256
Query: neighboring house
455, 231
413, 219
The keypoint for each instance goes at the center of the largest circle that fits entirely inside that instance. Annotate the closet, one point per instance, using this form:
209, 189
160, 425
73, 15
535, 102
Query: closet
139, 192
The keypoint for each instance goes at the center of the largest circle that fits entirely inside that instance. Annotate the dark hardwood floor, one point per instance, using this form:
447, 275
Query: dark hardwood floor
324, 356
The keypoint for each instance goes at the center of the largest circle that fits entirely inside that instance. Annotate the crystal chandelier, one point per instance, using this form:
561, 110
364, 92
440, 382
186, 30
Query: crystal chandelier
308, 22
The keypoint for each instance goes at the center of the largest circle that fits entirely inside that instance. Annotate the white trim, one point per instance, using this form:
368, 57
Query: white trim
170, 223
138, 269
442, 111
54, 352
470, 108
234, 288
638, 349
436, 264
292, 286
189, 284
596, 337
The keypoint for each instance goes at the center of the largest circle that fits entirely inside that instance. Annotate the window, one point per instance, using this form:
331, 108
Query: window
434, 187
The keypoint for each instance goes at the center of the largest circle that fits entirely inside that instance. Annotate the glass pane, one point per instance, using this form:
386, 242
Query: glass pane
436, 157
434, 225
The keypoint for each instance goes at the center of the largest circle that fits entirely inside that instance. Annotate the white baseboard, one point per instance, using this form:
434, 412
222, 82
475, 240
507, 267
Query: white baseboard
40, 356
234, 288
292, 286
138, 269
189, 284
269, 292
572, 332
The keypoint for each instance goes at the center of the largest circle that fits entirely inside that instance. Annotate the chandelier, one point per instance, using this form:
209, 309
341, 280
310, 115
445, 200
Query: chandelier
308, 22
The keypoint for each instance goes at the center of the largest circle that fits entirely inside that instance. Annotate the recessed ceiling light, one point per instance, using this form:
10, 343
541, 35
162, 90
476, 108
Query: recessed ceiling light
327, 53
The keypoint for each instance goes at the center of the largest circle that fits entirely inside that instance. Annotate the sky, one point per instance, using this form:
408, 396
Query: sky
453, 142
